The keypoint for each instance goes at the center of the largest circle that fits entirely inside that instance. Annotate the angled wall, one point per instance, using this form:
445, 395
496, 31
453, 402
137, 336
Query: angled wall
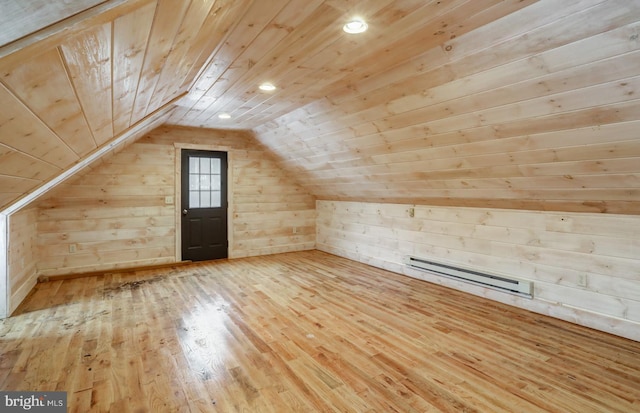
21, 252
585, 267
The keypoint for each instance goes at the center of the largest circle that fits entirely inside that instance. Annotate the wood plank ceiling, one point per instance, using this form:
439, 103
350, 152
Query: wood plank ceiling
501, 103
93, 78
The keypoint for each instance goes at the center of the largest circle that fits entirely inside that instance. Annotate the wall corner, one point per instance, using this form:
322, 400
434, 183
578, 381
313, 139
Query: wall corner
4, 264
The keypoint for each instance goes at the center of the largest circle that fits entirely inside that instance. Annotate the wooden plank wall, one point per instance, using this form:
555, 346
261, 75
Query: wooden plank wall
22, 252
115, 215
585, 267
267, 203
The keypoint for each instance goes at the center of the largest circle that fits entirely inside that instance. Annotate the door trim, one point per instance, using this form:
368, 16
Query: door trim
177, 201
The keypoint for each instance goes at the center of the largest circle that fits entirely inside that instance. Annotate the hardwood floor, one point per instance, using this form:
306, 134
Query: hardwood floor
304, 332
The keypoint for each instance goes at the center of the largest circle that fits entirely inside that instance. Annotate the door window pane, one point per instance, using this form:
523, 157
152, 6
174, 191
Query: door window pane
194, 199
215, 199
215, 166
193, 182
194, 165
205, 182
205, 166
205, 199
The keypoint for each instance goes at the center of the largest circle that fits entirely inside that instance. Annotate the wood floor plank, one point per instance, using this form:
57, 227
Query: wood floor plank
304, 332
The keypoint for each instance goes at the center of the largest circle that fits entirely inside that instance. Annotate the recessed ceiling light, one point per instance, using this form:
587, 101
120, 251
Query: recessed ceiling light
357, 25
224, 116
267, 87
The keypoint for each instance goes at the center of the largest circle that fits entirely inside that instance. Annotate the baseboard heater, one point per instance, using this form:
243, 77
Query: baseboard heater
494, 281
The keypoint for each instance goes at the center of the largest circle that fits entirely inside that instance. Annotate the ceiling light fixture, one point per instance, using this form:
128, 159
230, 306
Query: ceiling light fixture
355, 26
267, 87
224, 116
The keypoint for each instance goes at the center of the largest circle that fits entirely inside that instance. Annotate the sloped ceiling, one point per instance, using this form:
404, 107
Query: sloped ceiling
515, 104
81, 84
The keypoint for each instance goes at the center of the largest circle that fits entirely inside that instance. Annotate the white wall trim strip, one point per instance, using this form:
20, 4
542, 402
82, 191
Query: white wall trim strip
4, 264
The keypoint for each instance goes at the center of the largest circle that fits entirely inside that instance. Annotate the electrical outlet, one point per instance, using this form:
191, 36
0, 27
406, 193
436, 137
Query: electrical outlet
582, 280
295, 230
72, 248
168, 200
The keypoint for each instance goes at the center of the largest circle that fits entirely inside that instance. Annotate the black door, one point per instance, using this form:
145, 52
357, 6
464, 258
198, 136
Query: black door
204, 205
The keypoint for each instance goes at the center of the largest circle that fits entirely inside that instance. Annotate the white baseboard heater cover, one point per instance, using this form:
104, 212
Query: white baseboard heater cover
494, 281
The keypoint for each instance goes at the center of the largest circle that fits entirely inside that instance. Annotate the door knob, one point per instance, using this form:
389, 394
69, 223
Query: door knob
184, 212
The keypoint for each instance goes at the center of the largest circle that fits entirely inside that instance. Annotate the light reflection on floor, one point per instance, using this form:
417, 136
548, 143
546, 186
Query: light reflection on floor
205, 338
